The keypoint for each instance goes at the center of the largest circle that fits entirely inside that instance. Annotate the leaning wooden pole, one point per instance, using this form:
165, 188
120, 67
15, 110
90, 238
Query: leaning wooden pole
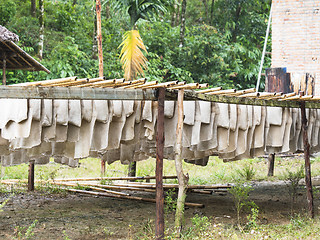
99, 37
159, 167
306, 148
182, 178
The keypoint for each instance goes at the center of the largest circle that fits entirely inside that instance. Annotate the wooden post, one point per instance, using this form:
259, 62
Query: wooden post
182, 178
31, 176
271, 164
103, 167
159, 167
132, 170
306, 148
99, 37
4, 78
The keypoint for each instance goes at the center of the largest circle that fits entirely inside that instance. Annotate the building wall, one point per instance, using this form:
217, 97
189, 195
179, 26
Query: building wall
296, 37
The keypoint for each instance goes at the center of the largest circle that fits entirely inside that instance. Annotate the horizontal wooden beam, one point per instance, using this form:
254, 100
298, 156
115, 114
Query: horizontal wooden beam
76, 93
193, 95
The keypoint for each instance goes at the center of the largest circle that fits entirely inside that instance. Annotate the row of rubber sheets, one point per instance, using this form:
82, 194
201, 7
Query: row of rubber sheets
69, 130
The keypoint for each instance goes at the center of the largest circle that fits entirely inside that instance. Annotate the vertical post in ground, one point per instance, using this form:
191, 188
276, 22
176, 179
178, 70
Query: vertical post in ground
132, 169
31, 176
306, 148
159, 167
271, 164
103, 167
4, 78
182, 178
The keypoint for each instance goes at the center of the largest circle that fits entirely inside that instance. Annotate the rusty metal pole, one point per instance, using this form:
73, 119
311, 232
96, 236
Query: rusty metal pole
31, 176
159, 167
306, 148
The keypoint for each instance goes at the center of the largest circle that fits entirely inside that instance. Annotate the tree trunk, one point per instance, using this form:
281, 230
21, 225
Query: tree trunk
99, 37
183, 21
94, 35
182, 178
33, 8
173, 15
41, 23
237, 16
206, 10
211, 12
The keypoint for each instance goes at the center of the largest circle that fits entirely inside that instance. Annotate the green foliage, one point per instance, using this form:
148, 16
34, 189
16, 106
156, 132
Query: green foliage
7, 11
240, 194
170, 202
24, 233
293, 178
247, 172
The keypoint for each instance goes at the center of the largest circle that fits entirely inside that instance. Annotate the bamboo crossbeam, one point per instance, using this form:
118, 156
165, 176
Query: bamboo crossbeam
165, 84
73, 83
46, 82
245, 91
147, 84
297, 97
307, 97
250, 95
210, 90
203, 85
288, 95
98, 83
186, 86
267, 95
133, 85
222, 92
129, 197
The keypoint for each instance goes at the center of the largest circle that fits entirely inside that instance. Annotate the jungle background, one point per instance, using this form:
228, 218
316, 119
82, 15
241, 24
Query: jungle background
221, 45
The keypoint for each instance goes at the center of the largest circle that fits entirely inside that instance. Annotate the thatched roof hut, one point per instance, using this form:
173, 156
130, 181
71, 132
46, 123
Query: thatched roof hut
12, 57
6, 35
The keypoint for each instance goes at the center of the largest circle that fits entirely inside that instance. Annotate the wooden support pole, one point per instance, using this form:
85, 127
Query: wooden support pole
132, 168
103, 167
271, 158
4, 77
159, 167
182, 178
99, 37
306, 148
31, 176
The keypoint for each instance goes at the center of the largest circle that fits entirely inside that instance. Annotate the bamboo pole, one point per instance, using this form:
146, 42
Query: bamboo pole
112, 178
186, 86
128, 197
222, 92
159, 231
245, 91
148, 84
182, 178
168, 186
99, 37
210, 90
47, 82
306, 150
203, 85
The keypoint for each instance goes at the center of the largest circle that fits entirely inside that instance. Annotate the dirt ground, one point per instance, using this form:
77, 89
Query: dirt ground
77, 216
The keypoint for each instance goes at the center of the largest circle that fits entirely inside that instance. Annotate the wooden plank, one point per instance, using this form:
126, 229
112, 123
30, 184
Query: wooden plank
76, 93
159, 233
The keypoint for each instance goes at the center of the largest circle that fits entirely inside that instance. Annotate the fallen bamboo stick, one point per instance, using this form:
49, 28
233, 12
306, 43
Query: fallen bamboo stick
152, 185
210, 90
47, 82
91, 187
129, 197
113, 178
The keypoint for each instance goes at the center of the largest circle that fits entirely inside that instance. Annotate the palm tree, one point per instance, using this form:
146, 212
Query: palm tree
132, 46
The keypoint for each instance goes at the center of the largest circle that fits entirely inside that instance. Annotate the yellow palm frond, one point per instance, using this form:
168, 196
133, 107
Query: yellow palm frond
131, 56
